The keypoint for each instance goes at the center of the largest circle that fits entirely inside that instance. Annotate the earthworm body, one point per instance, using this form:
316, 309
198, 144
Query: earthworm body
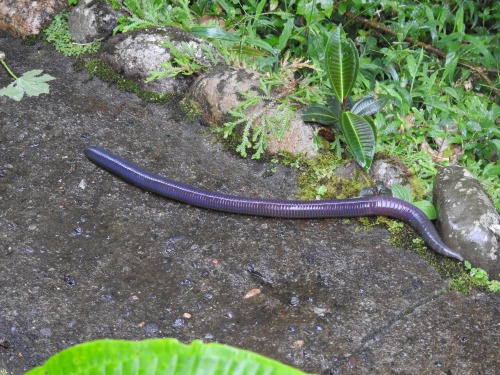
288, 209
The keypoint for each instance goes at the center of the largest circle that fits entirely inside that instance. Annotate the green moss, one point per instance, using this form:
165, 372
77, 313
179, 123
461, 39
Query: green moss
460, 280
190, 108
102, 70
317, 178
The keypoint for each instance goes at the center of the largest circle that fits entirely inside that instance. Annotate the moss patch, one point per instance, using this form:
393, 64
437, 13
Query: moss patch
102, 70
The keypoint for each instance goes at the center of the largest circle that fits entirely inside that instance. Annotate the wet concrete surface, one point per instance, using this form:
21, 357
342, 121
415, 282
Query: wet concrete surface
84, 255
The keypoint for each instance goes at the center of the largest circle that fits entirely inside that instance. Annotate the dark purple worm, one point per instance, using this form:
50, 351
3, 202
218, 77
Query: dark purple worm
288, 209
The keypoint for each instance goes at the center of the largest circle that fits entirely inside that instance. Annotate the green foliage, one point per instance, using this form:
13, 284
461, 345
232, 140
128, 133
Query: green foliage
30, 83
481, 276
399, 191
58, 34
159, 356
342, 65
153, 13
438, 64
184, 61
259, 122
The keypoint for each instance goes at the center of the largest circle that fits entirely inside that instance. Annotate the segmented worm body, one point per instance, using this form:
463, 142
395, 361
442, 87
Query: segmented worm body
289, 209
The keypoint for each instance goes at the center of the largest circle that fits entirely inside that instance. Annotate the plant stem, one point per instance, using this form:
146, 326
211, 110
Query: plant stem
7, 68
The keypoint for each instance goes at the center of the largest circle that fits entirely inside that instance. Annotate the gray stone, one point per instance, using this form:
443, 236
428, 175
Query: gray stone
467, 219
220, 90
386, 171
27, 17
136, 54
390, 172
91, 20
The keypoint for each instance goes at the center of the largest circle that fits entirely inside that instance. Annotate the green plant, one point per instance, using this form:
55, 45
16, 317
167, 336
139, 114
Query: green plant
159, 356
481, 276
399, 191
58, 34
281, 95
342, 65
147, 13
439, 65
185, 61
30, 83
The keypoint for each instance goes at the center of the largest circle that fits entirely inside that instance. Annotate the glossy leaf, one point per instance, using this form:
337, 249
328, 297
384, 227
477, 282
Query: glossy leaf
368, 105
342, 64
360, 138
320, 114
159, 356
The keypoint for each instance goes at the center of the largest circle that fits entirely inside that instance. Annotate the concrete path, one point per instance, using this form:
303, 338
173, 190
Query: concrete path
84, 255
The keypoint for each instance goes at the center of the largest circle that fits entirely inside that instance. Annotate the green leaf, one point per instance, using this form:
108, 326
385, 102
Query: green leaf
491, 170
427, 208
360, 138
286, 34
320, 114
368, 105
159, 356
342, 64
400, 192
30, 83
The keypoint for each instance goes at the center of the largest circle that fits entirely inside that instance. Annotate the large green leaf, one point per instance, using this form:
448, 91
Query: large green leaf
342, 64
320, 114
159, 356
360, 138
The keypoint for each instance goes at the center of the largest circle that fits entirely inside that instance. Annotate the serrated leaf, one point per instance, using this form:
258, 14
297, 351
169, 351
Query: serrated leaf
12, 91
30, 83
368, 105
360, 138
427, 208
400, 192
159, 356
320, 114
342, 64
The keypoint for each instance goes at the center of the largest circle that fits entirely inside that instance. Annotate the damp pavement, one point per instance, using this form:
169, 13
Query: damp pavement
84, 255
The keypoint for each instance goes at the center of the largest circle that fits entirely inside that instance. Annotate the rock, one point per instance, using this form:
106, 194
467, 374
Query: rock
137, 53
467, 218
92, 19
390, 172
220, 90
27, 17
